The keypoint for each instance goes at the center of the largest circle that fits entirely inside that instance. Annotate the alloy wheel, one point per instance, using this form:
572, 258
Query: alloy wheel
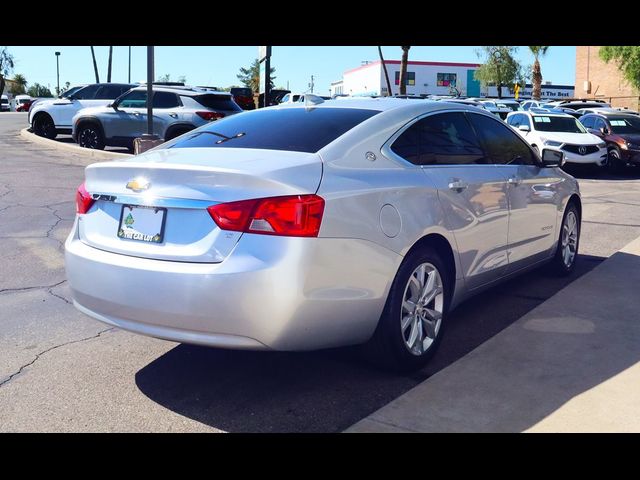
88, 138
569, 239
422, 307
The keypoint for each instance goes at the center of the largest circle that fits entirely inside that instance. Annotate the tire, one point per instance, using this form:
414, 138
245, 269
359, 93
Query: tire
615, 160
401, 341
559, 265
43, 126
90, 136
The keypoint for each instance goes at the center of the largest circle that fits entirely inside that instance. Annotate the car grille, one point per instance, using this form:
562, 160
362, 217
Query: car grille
576, 149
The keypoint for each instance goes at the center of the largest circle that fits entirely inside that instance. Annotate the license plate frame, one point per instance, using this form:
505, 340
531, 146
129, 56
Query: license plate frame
126, 232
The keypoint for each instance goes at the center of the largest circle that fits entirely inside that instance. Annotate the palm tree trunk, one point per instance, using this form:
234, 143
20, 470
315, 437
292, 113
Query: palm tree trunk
537, 81
109, 67
95, 65
2, 83
386, 73
403, 70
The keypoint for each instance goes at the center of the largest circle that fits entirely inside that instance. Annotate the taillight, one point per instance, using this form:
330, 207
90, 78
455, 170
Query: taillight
83, 200
210, 115
292, 216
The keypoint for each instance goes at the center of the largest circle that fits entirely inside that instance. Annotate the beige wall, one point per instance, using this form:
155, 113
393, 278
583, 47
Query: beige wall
606, 80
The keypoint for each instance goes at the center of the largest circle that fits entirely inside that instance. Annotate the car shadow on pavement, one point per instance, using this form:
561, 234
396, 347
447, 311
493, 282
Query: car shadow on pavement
325, 391
69, 139
587, 172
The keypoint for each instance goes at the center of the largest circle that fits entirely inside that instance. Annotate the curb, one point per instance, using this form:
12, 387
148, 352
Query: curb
87, 152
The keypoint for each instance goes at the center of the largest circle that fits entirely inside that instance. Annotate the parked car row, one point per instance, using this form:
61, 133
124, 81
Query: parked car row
100, 115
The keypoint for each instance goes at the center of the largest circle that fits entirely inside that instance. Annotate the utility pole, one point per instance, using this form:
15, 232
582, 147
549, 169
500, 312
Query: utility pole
58, 72
150, 75
129, 64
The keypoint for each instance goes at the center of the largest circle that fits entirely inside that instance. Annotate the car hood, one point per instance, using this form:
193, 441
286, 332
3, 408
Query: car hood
630, 137
573, 138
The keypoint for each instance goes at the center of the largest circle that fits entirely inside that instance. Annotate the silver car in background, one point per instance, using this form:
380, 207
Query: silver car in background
306, 227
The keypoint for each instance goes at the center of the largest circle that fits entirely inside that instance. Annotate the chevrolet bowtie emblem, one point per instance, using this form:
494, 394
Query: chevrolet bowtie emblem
138, 184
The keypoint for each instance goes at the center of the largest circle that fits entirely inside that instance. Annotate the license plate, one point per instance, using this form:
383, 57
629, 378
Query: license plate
145, 224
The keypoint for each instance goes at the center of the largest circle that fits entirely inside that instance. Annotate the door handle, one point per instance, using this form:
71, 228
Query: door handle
137, 114
515, 181
458, 185
173, 115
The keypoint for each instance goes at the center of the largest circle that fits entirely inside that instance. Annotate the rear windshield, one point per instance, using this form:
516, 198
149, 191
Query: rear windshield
546, 123
291, 129
218, 102
247, 92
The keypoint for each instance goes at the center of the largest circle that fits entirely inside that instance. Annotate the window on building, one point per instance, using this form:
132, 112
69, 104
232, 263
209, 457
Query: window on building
411, 78
447, 79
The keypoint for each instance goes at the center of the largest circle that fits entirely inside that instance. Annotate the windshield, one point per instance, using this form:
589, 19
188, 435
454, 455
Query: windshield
625, 124
513, 106
546, 123
291, 129
4, 100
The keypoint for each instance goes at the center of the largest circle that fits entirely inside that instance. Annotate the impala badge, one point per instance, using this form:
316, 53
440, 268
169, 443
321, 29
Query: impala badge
138, 184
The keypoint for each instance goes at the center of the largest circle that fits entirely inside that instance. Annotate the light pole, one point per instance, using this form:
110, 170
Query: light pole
58, 71
129, 64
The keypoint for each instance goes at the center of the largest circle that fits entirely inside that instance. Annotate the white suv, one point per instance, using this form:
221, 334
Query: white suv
48, 118
559, 131
176, 110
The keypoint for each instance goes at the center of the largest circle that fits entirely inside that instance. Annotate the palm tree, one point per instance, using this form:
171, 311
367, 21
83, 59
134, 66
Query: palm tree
109, 67
386, 73
403, 70
250, 77
537, 73
95, 65
6, 66
20, 84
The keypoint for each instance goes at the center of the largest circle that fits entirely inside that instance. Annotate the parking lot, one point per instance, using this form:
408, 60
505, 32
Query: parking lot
62, 371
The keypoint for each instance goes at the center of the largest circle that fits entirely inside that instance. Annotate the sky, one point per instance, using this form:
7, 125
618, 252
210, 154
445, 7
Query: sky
219, 65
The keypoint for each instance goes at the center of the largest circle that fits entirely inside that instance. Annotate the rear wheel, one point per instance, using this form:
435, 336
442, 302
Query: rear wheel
412, 323
90, 136
566, 255
43, 126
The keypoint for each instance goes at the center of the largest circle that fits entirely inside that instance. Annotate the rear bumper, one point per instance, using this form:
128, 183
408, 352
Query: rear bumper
269, 293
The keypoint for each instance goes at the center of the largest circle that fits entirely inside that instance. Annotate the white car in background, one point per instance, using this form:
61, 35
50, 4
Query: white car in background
4, 104
560, 131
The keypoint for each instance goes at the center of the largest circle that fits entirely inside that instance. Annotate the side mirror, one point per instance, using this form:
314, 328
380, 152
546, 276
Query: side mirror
552, 158
524, 128
604, 130
113, 105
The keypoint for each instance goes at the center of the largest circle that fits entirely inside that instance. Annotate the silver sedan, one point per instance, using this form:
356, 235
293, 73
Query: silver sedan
312, 226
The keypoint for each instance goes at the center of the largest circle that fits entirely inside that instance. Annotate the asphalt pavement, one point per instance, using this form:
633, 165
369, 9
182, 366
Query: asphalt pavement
62, 371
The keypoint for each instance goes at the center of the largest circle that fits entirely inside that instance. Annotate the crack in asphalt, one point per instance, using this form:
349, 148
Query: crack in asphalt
52, 228
50, 292
24, 289
38, 355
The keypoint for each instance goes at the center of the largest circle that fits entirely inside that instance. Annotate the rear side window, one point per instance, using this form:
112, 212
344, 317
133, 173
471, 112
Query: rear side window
165, 100
502, 144
291, 129
440, 139
87, 93
218, 102
110, 92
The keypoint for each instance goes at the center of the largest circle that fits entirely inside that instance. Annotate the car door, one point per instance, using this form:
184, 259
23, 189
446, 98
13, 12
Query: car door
125, 120
531, 192
473, 194
65, 108
166, 111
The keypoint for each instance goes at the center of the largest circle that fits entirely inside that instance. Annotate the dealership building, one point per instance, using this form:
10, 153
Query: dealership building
434, 78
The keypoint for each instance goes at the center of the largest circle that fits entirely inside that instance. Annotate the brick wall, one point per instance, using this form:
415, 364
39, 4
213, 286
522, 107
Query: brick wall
607, 82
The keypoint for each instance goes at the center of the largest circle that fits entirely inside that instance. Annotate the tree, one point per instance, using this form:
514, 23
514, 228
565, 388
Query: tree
109, 65
537, 72
500, 68
250, 77
19, 86
6, 66
403, 70
37, 90
95, 65
628, 60
386, 73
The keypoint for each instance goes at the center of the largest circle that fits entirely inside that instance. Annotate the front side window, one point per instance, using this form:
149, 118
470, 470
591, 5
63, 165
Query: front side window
135, 99
588, 122
503, 145
290, 129
86, 93
599, 124
440, 139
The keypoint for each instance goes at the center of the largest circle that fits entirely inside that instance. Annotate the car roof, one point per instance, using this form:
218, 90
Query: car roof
185, 91
539, 111
618, 113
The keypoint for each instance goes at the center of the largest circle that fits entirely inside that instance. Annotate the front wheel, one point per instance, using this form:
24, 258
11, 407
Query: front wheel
615, 160
411, 325
43, 126
90, 136
566, 255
